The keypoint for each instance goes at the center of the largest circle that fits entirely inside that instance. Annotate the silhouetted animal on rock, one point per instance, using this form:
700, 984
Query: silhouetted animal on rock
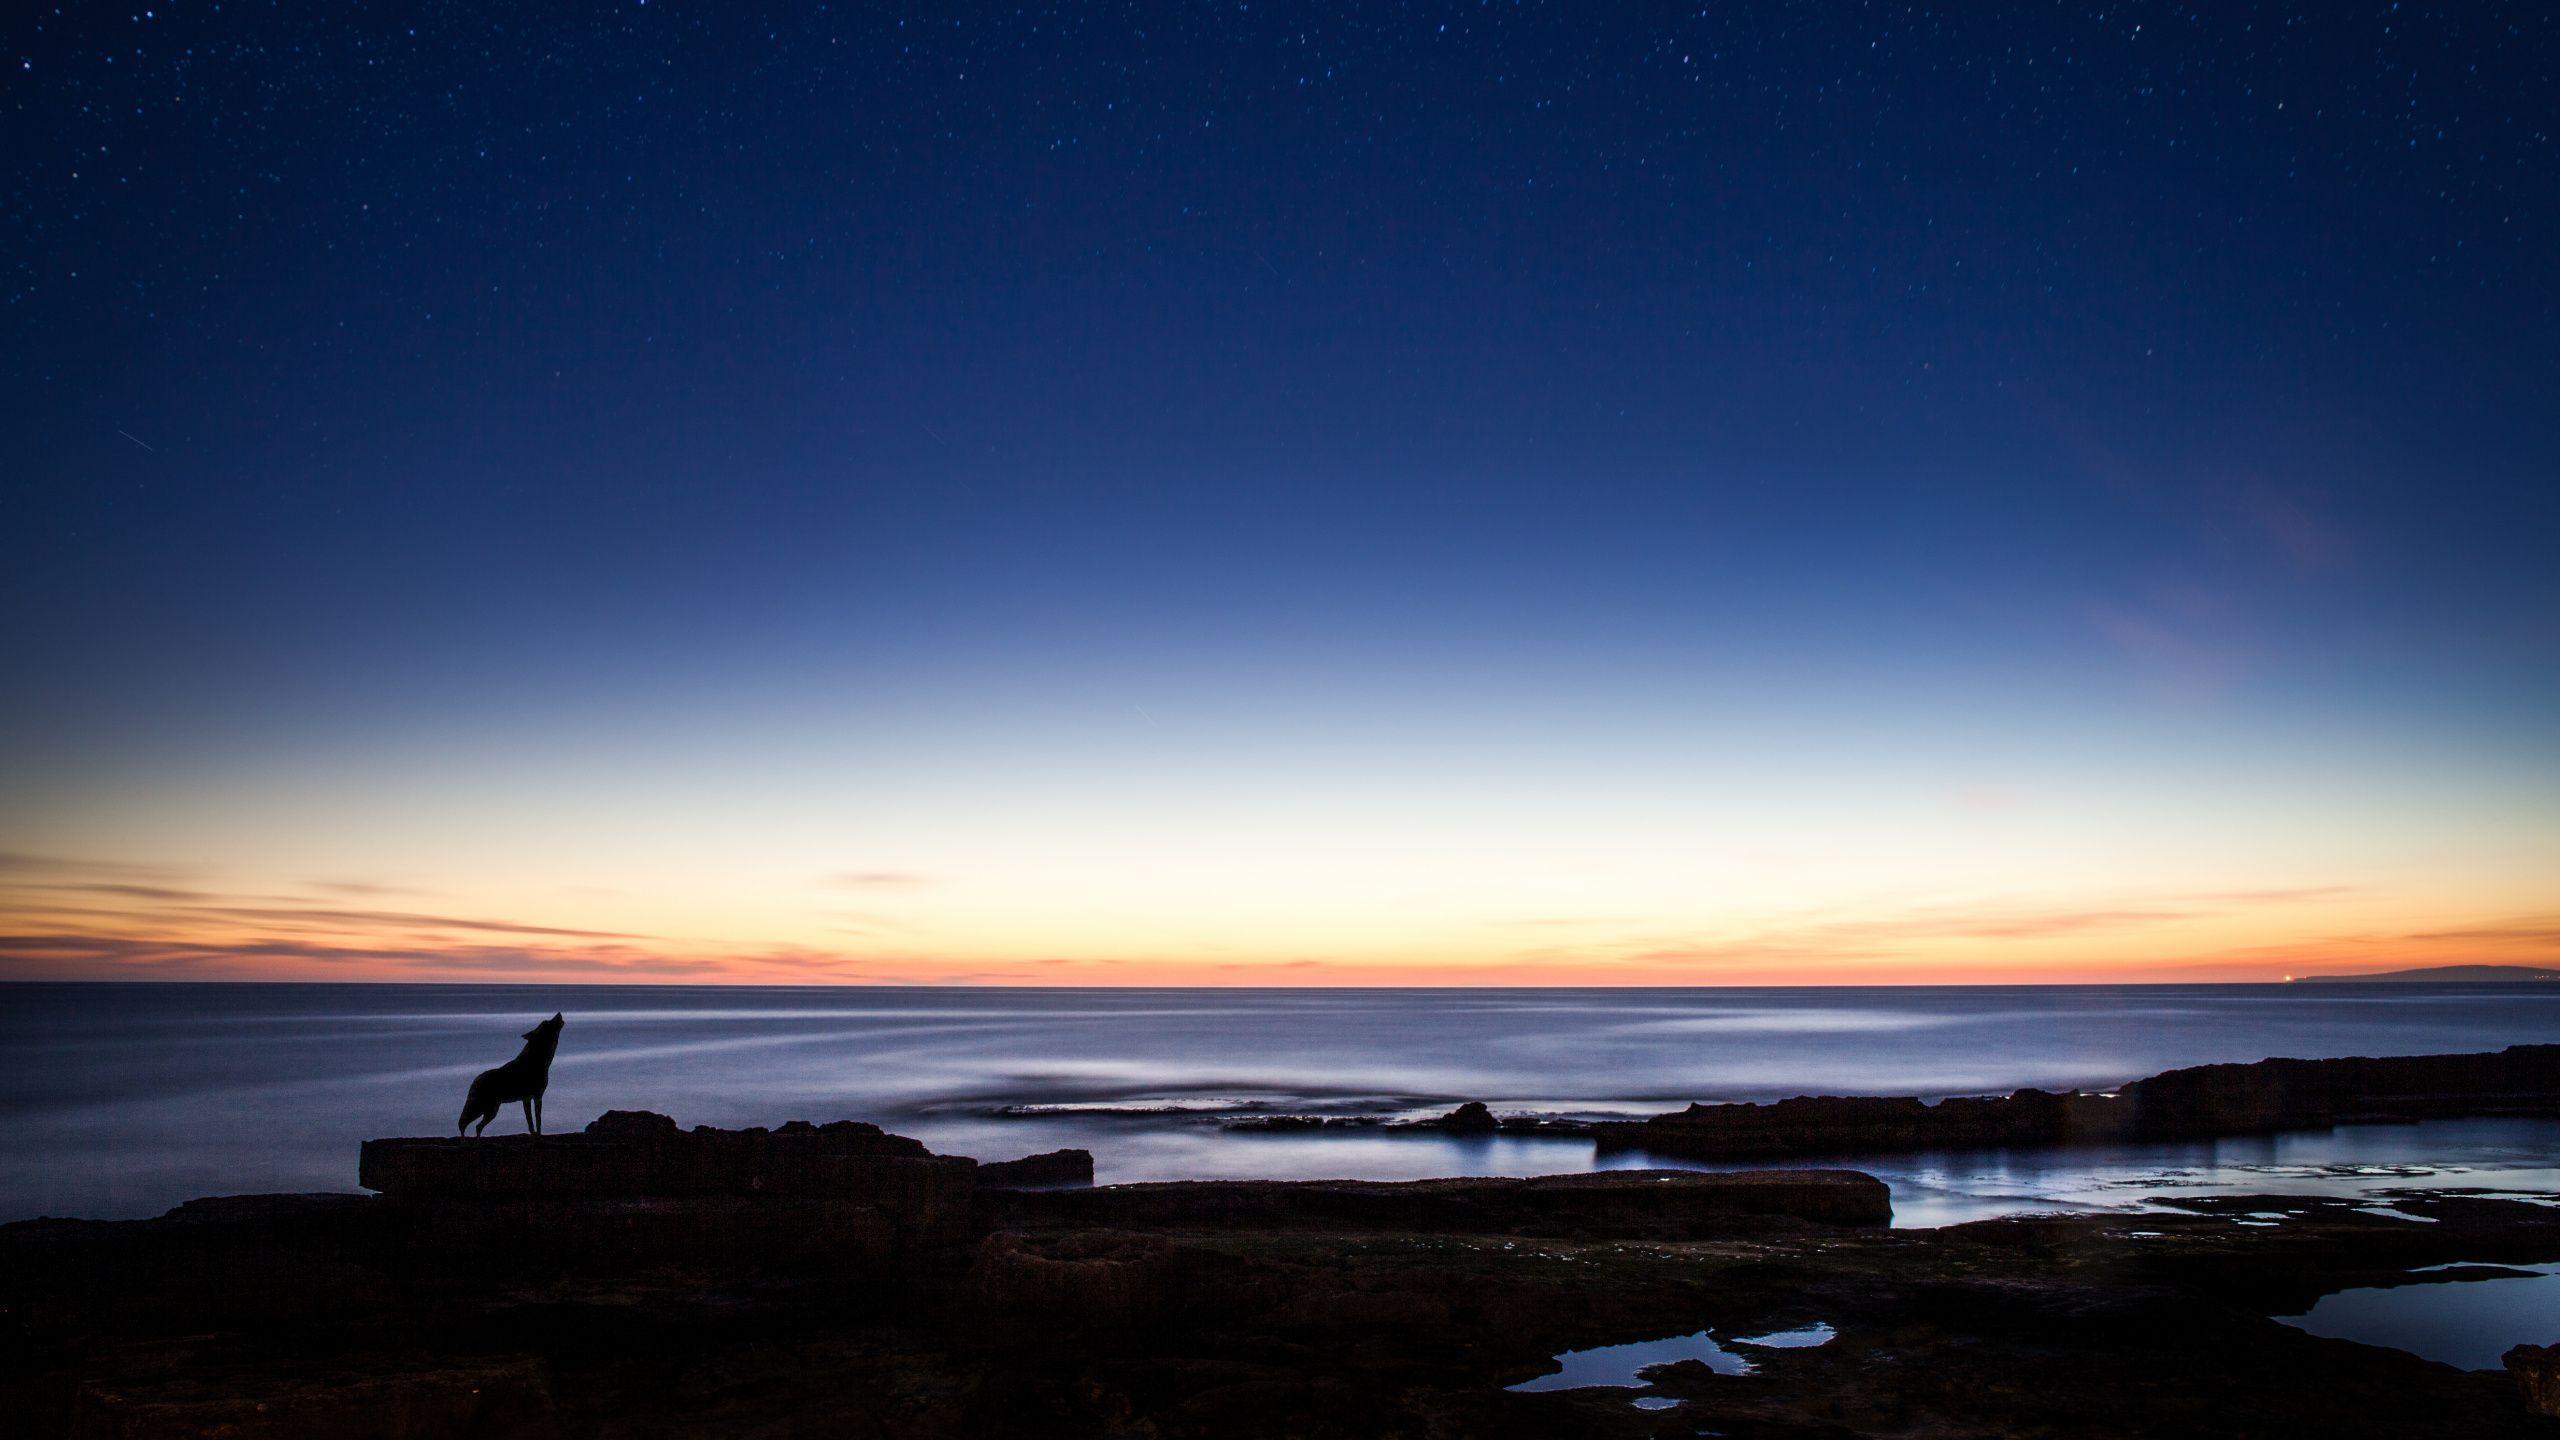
523, 1078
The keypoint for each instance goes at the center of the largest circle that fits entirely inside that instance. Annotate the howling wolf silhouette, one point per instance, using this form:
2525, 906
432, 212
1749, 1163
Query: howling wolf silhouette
523, 1078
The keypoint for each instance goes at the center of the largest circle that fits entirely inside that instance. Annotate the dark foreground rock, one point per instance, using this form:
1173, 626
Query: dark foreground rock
505, 1400
1058, 1167
2200, 1102
1248, 1309
1622, 1200
634, 1189
638, 1152
2537, 1372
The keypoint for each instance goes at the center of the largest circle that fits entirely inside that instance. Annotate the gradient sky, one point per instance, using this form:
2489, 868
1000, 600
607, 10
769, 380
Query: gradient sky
1279, 493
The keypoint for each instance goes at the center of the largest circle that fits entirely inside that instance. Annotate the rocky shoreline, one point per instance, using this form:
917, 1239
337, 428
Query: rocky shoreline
2201, 1102
642, 1280
2198, 1103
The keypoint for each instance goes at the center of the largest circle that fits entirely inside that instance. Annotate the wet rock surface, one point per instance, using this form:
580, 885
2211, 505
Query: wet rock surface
1251, 1309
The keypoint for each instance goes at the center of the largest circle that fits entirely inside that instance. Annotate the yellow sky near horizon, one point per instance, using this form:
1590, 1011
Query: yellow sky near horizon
1886, 844
1626, 924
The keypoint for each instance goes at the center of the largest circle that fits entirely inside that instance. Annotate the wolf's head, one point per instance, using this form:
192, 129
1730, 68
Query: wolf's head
550, 1027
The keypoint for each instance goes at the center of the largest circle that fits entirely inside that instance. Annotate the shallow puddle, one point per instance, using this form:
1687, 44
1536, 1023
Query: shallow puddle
2464, 1323
1616, 1365
1802, 1337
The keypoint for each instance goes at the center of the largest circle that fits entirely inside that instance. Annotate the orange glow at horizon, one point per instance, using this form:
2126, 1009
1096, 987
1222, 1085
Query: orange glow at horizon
1872, 844
72, 920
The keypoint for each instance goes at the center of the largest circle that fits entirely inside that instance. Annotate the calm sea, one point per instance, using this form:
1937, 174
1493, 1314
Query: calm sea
121, 1100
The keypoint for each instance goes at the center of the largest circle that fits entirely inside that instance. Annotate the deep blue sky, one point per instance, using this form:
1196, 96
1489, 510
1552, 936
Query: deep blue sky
379, 370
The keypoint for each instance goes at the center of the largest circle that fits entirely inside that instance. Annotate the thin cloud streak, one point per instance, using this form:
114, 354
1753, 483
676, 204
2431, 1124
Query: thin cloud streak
896, 880
22, 862
397, 920
61, 929
89, 957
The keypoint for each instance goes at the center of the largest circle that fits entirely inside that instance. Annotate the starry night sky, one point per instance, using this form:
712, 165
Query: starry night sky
1280, 492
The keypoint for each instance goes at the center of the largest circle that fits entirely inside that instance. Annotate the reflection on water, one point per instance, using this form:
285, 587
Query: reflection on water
1616, 1365
1803, 1337
122, 1100
2464, 1323
2515, 1159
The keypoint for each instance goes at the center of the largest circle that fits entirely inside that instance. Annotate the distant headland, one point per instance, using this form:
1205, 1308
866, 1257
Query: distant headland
2473, 973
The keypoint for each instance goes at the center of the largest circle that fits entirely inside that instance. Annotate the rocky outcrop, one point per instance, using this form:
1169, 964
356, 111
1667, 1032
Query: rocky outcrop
1058, 1167
1472, 1118
2536, 1369
2199, 1102
637, 1152
2441, 974
1836, 1124
1620, 1201
634, 1190
2288, 1094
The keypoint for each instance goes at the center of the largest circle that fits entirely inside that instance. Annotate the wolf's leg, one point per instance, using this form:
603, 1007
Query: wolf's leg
537, 1114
